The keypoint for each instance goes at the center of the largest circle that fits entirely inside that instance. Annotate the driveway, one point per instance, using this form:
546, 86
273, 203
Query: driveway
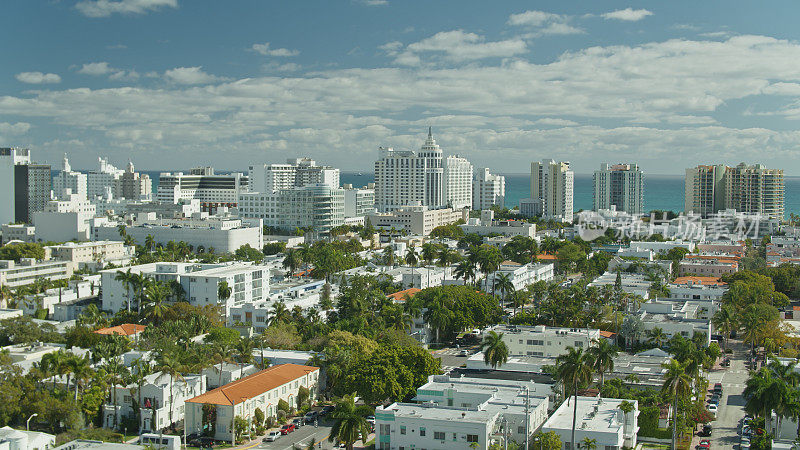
731, 405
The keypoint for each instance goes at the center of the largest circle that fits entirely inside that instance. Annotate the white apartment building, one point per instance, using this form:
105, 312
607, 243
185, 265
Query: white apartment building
663, 247
552, 185
359, 201
118, 183
261, 390
95, 255
457, 182
631, 283
318, 207
52, 297
223, 234
541, 340
19, 232
706, 292
461, 413
674, 318
26, 356
620, 186
76, 182
416, 220
162, 397
521, 275
297, 172
487, 190
64, 220
600, 419
28, 270
202, 183
25, 186
225, 372
248, 283
487, 225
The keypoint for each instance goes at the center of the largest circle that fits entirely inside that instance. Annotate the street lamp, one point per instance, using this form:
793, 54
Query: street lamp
28, 422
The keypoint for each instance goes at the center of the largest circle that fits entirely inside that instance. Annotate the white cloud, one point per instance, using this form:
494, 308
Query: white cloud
652, 99
265, 50
455, 46
544, 23
105, 8
627, 14
95, 69
373, 2
190, 75
38, 78
14, 128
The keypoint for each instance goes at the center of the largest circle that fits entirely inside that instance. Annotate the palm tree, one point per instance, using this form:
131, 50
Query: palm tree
388, 256
438, 316
292, 260
429, 252
127, 281
156, 293
589, 444
244, 353
82, 370
489, 259
602, 355
149, 243
764, 392
495, 351
411, 257
170, 365
223, 291
725, 322
122, 230
677, 383
447, 257
351, 423
502, 281
116, 374
280, 314
573, 369
177, 292
657, 337
466, 270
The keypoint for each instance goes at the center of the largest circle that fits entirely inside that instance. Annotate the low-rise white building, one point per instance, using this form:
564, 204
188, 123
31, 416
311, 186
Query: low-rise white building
28, 270
706, 292
461, 413
64, 220
94, 255
262, 390
417, 219
25, 356
632, 283
11, 439
487, 225
248, 283
674, 318
52, 297
521, 275
224, 373
162, 400
223, 234
600, 419
18, 232
358, 201
541, 340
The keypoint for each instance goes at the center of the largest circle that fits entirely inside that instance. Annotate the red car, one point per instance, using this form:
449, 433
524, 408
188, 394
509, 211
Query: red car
288, 428
705, 443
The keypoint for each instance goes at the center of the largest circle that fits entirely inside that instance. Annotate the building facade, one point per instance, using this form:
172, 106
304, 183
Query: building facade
202, 183
619, 186
457, 182
358, 202
69, 182
488, 190
552, 185
417, 220
316, 207
752, 189
546, 341
297, 172
599, 419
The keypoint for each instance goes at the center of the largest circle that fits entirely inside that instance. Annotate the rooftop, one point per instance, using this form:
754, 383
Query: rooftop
253, 385
400, 296
592, 413
126, 329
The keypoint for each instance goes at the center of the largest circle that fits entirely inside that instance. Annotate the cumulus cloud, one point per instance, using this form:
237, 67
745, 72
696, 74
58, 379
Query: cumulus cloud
264, 49
652, 99
373, 2
14, 128
105, 8
37, 78
544, 23
455, 46
95, 69
627, 14
190, 75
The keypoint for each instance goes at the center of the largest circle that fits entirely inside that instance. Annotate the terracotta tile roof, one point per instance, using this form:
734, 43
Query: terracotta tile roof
253, 385
546, 257
126, 329
706, 281
607, 334
508, 262
401, 295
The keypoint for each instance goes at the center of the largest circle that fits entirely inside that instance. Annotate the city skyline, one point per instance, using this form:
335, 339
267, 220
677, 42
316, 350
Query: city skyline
606, 83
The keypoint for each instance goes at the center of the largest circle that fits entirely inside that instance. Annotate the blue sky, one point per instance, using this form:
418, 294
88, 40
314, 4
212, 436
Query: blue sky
175, 83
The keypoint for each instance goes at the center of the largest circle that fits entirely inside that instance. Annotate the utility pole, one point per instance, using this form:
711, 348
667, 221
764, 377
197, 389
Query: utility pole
505, 433
527, 420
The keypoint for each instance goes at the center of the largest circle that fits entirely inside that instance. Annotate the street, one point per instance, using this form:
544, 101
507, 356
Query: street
301, 437
733, 378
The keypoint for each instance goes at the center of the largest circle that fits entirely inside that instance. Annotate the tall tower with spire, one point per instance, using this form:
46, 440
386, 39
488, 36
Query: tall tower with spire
69, 182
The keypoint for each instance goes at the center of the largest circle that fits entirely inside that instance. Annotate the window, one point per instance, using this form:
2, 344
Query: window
578, 344
422, 431
520, 430
438, 435
472, 438
402, 429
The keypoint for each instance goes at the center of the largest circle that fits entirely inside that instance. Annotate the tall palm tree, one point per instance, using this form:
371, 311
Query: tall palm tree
502, 281
351, 423
466, 270
447, 257
156, 293
115, 371
495, 351
573, 369
588, 443
677, 384
388, 256
602, 355
438, 316
429, 252
280, 314
764, 392
127, 281
82, 370
657, 337
725, 322
489, 259
244, 353
224, 291
411, 257
149, 243
171, 366
292, 260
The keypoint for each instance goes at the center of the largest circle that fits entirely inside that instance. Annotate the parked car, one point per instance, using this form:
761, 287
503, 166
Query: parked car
718, 388
706, 431
311, 416
705, 443
712, 408
714, 399
726, 362
326, 409
288, 428
272, 436
298, 422
463, 353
